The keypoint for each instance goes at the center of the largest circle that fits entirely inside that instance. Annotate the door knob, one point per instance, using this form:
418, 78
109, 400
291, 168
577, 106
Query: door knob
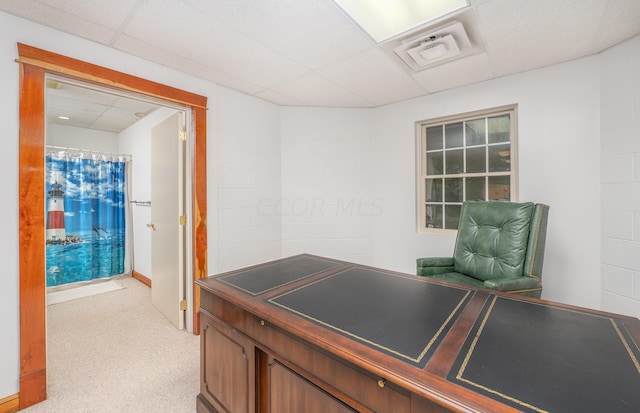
152, 226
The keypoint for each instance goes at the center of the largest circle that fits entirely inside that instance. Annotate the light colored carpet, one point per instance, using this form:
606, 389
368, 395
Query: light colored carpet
114, 352
60, 296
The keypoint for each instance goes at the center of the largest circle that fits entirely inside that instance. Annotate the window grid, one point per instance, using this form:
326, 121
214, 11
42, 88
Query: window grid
444, 170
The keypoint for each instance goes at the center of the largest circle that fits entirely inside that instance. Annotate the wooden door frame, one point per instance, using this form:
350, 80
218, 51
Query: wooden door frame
35, 64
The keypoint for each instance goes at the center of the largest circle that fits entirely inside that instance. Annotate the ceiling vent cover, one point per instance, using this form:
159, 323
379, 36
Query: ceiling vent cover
426, 50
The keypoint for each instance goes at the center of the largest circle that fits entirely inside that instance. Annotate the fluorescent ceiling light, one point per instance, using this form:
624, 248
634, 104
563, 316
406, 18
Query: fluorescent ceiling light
384, 19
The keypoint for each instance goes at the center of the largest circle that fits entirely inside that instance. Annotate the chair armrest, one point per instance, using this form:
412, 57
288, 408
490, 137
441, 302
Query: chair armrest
513, 284
435, 262
434, 265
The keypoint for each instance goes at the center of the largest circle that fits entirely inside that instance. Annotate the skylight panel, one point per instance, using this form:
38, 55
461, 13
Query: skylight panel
384, 19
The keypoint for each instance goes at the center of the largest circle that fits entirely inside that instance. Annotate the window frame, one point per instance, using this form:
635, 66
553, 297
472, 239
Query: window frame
421, 159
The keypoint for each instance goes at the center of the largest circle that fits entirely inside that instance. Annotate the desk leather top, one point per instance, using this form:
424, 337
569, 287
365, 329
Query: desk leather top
269, 276
529, 354
403, 317
540, 358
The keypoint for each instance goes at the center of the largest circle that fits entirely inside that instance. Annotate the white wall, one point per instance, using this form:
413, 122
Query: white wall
328, 198
9, 283
620, 178
136, 141
248, 168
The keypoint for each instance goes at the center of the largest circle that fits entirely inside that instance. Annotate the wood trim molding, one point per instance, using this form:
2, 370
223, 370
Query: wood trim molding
33, 354
199, 211
53, 62
144, 280
34, 65
10, 404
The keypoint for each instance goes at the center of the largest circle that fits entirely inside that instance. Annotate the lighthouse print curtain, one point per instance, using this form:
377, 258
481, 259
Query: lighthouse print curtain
85, 217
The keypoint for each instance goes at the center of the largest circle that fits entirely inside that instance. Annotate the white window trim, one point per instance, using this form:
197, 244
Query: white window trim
421, 159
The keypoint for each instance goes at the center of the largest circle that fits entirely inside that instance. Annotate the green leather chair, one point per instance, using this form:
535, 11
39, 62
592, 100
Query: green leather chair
500, 246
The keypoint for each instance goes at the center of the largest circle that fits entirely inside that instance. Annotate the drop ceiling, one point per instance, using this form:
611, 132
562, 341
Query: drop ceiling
310, 53
83, 106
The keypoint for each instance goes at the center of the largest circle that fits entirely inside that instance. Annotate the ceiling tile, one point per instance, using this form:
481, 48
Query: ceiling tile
171, 25
75, 105
248, 60
110, 124
121, 114
73, 115
460, 72
80, 94
52, 119
134, 105
226, 50
152, 53
294, 29
58, 19
314, 90
524, 34
278, 99
110, 14
388, 83
91, 107
621, 22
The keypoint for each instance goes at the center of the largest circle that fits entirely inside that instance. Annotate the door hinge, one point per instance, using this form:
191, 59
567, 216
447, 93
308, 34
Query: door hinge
183, 305
183, 135
183, 220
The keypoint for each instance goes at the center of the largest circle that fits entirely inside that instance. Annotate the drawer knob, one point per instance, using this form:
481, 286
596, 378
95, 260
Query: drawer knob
382, 382
262, 322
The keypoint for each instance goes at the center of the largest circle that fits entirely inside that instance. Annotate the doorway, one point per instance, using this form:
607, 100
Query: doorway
104, 154
35, 64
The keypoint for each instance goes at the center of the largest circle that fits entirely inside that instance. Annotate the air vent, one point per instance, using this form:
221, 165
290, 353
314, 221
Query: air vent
437, 46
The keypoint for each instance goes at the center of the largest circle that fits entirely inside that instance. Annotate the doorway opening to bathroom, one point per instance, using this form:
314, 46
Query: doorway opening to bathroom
100, 221
34, 65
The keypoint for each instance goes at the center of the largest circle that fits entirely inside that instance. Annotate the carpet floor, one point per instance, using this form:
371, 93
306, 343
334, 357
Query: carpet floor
114, 352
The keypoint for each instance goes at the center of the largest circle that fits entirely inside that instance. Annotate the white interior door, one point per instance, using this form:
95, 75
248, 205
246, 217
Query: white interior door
167, 200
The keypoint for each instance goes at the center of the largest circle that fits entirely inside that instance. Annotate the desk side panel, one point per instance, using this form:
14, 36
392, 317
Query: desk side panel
227, 367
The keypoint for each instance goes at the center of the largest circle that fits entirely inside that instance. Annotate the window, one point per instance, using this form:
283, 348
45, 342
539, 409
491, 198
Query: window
465, 157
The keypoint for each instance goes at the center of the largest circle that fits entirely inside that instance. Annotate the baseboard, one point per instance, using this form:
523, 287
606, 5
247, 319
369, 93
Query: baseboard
10, 404
144, 280
33, 386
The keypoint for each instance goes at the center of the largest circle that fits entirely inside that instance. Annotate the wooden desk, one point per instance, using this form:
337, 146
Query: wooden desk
311, 334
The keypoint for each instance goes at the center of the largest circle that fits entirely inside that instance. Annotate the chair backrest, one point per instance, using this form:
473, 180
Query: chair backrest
499, 239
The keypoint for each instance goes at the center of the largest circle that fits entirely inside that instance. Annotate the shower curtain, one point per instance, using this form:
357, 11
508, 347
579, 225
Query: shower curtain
86, 210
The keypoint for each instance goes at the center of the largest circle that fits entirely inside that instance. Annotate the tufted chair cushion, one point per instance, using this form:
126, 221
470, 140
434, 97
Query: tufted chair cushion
492, 239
